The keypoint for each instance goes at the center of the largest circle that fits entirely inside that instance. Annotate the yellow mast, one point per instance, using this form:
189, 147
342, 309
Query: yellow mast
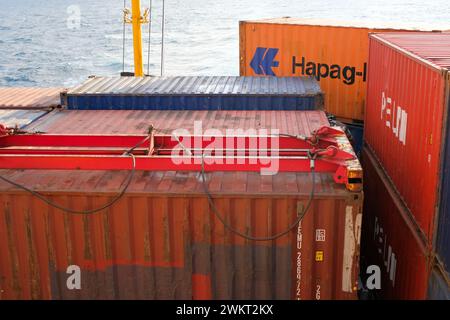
137, 37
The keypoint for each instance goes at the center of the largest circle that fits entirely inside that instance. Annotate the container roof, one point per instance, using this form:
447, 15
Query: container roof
29, 98
353, 23
138, 121
239, 184
198, 85
432, 48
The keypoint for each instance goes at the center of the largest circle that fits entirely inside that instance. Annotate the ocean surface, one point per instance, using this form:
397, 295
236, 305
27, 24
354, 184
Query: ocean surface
62, 42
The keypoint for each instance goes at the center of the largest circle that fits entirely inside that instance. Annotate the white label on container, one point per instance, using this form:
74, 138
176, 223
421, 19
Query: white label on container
320, 235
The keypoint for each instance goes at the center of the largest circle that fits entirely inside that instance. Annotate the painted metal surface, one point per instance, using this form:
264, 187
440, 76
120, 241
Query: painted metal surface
30, 98
267, 154
357, 136
390, 239
20, 118
196, 93
161, 241
407, 114
334, 52
443, 229
439, 287
166, 121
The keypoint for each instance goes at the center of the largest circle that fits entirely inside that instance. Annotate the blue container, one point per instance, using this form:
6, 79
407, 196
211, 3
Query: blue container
438, 287
357, 132
442, 239
196, 93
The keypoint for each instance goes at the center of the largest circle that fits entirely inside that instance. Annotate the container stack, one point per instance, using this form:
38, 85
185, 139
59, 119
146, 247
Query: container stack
334, 52
181, 234
406, 158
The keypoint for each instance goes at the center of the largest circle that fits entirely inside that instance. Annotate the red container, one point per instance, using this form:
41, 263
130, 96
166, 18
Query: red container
390, 239
30, 98
408, 85
162, 240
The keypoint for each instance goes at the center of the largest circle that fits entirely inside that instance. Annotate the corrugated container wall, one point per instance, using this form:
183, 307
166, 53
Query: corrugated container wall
406, 118
389, 239
195, 93
439, 287
30, 98
162, 240
334, 52
443, 231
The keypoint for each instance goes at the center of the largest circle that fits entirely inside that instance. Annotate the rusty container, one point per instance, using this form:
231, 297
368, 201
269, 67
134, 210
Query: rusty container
391, 240
335, 52
162, 240
30, 98
406, 125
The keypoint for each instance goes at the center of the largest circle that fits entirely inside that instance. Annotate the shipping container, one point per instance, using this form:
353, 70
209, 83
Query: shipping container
19, 118
162, 239
391, 240
439, 285
196, 93
335, 52
356, 133
30, 98
166, 121
406, 124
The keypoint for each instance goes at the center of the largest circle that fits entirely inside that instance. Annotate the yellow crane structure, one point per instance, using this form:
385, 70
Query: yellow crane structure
136, 21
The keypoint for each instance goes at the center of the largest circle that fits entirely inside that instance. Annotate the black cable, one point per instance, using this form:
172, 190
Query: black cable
249, 237
71, 211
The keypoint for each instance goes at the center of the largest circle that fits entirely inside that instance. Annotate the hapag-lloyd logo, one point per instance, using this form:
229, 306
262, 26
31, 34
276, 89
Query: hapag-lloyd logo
264, 63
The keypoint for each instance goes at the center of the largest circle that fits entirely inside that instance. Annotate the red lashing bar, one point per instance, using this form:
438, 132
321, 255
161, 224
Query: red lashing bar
158, 153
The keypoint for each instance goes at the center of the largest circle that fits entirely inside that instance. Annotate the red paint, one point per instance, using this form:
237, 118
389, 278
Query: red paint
390, 239
162, 240
406, 102
320, 150
201, 287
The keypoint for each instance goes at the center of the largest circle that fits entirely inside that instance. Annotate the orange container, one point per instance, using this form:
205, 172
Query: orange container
162, 240
335, 53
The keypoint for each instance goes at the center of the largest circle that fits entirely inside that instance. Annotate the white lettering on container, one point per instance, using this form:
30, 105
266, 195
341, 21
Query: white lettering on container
394, 117
386, 252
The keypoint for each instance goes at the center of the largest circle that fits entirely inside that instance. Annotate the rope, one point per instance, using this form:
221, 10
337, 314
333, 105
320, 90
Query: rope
149, 35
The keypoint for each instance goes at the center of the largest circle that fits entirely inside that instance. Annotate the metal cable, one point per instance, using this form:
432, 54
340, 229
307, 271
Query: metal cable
123, 36
247, 236
43, 198
149, 35
86, 212
162, 36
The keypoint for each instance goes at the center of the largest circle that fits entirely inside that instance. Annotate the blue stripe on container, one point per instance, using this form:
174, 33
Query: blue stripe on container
197, 93
443, 229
